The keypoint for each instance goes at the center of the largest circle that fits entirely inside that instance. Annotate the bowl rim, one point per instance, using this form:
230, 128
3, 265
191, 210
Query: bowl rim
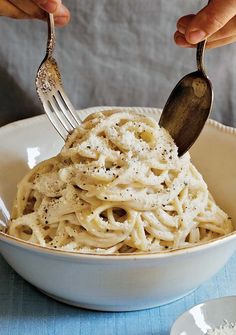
34, 119
142, 255
138, 255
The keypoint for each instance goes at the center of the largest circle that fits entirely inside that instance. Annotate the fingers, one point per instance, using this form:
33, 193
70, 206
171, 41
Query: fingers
227, 31
49, 6
216, 22
181, 41
9, 10
222, 37
61, 13
25, 9
184, 22
211, 44
28, 7
221, 42
209, 20
61, 16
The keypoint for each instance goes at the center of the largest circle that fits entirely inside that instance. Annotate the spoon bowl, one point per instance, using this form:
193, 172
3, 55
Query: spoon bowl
188, 106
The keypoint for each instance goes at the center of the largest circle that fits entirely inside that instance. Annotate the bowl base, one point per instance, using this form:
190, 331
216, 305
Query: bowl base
114, 308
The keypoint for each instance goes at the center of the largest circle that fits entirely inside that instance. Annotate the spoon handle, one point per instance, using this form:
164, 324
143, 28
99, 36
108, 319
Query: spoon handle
200, 56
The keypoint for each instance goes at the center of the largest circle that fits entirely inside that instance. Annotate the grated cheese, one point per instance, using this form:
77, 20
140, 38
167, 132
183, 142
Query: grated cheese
227, 328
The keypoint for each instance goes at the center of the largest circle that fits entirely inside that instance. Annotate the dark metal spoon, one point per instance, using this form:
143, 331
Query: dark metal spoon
188, 106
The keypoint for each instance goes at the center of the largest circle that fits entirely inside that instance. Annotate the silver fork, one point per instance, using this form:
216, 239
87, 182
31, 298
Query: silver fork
56, 104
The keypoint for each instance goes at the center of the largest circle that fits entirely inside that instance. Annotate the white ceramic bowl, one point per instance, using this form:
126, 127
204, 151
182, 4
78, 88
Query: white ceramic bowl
116, 283
209, 315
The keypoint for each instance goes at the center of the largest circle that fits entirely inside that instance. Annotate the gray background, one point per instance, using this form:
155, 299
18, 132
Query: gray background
114, 52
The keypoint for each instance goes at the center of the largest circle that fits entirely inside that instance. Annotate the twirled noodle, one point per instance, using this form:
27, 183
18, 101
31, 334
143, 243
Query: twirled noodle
118, 186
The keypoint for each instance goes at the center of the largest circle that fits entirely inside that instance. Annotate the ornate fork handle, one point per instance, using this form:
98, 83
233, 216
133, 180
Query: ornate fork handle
51, 36
49, 87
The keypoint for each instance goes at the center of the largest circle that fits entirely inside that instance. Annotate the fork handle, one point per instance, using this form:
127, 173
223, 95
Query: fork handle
51, 36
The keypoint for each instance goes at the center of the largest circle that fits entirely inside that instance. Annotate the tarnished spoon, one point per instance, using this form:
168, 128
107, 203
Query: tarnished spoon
188, 106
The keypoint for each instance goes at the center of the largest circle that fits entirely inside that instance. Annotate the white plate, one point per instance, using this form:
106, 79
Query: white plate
203, 317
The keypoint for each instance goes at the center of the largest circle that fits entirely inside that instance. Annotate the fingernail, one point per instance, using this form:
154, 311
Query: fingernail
196, 36
181, 29
182, 41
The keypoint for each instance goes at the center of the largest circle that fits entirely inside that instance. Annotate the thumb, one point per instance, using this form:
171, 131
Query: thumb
210, 19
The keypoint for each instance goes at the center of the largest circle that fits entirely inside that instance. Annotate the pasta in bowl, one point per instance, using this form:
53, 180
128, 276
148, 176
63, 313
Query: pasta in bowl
117, 185
147, 269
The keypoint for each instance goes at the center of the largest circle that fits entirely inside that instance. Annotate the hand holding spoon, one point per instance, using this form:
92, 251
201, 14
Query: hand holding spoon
188, 106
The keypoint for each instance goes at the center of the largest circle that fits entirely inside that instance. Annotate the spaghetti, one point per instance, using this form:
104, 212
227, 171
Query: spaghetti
117, 186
